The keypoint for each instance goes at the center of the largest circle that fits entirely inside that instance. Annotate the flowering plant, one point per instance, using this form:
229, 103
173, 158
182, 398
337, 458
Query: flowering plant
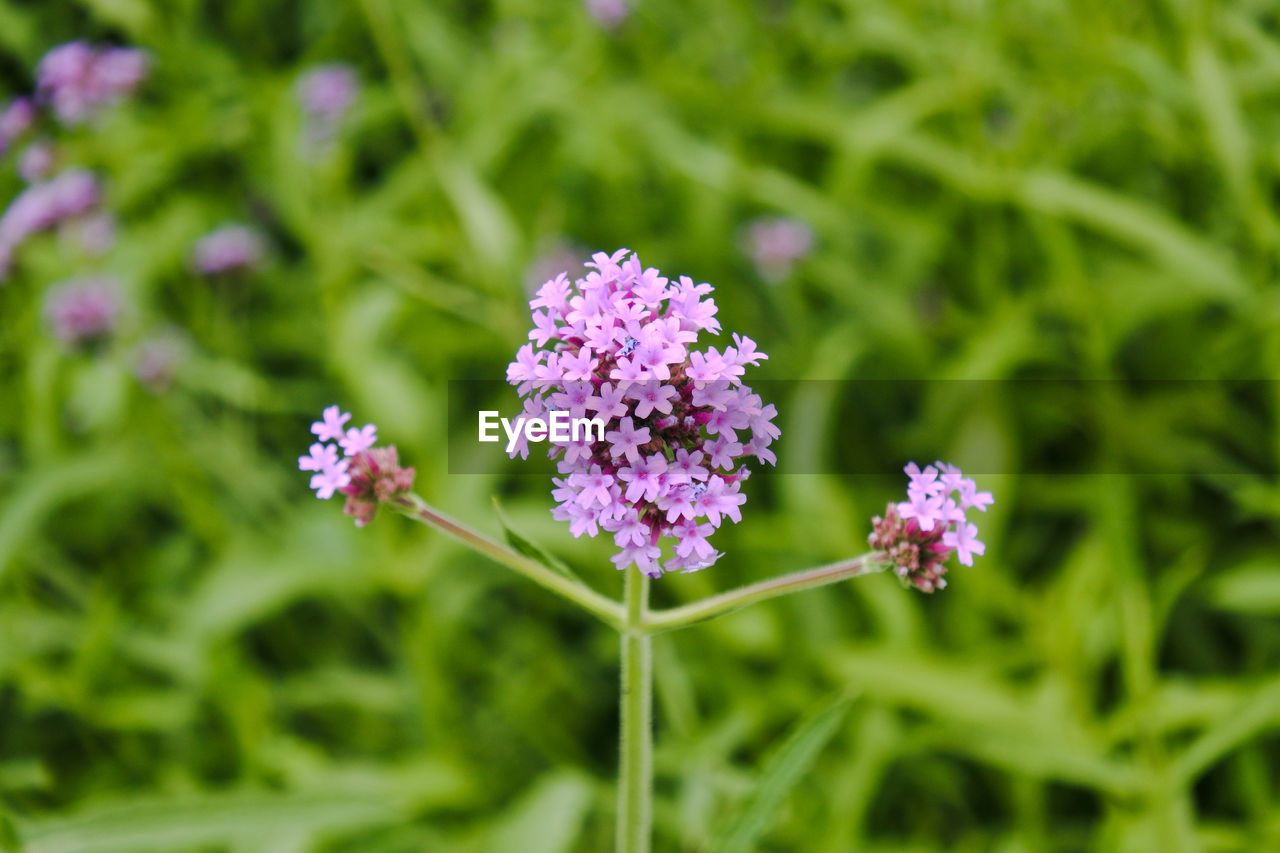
672, 456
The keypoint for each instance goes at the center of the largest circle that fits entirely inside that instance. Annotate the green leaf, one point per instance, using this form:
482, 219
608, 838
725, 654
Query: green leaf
780, 775
547, 819
1250, 588
531, 549
219, 819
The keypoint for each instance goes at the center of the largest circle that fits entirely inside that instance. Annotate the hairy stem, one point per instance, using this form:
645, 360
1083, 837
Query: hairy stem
656, 622
635, 774
605, 609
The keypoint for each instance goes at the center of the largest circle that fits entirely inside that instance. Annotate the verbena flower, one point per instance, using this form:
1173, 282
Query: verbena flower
157, 359
83, 311
77, 80
775, 244
16, 119
229, 248
609, 14
325, 94
618, 345
41, 206
922, 532
366, 474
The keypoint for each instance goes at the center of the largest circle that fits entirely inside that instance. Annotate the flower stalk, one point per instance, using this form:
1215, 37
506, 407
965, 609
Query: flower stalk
635, 741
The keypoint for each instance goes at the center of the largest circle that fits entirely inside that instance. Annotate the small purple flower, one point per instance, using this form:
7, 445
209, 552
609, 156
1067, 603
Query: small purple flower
776, 244
326, 92
964, 540
319, 458
84, 310
329, 480
330, 428
919, 534
357, 440
228, 249
608, 14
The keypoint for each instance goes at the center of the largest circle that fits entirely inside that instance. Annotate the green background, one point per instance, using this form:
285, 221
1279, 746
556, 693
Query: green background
195, 654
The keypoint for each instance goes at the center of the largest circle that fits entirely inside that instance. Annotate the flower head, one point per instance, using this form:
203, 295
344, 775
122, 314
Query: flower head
618, 345
83, 311
77, 80
776, 244
368, 476
15, 120
228, 249
920, 533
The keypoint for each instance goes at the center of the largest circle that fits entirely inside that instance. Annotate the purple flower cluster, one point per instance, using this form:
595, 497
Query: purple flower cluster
41, 206
228, 249
77, 80
82, 311
617, 346
367, 475
920, 533
775, 244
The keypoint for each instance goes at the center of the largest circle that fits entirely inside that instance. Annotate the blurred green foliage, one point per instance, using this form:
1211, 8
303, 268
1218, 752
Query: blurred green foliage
197, 655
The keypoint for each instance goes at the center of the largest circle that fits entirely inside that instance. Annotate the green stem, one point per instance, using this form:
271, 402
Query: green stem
656, 622
605, 609
635, 774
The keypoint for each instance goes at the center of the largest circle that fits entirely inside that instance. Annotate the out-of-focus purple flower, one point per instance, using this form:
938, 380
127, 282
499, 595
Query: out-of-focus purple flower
95, 233
368, 476
16, 120
920, 533
775, 244
36, 162
157, 359
326, 92
83, 310
77, 80
609, 14
228, 249
560, 256
44, 205
617, 345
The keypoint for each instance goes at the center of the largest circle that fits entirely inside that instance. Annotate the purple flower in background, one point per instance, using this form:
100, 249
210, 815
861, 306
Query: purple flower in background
326, 92
16, 120
618, 343
157, 359
77, 80
36, 162
95, 233
561, 255
609, 14
920, 533
228, 249
775, 244
41, 206
83, 310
